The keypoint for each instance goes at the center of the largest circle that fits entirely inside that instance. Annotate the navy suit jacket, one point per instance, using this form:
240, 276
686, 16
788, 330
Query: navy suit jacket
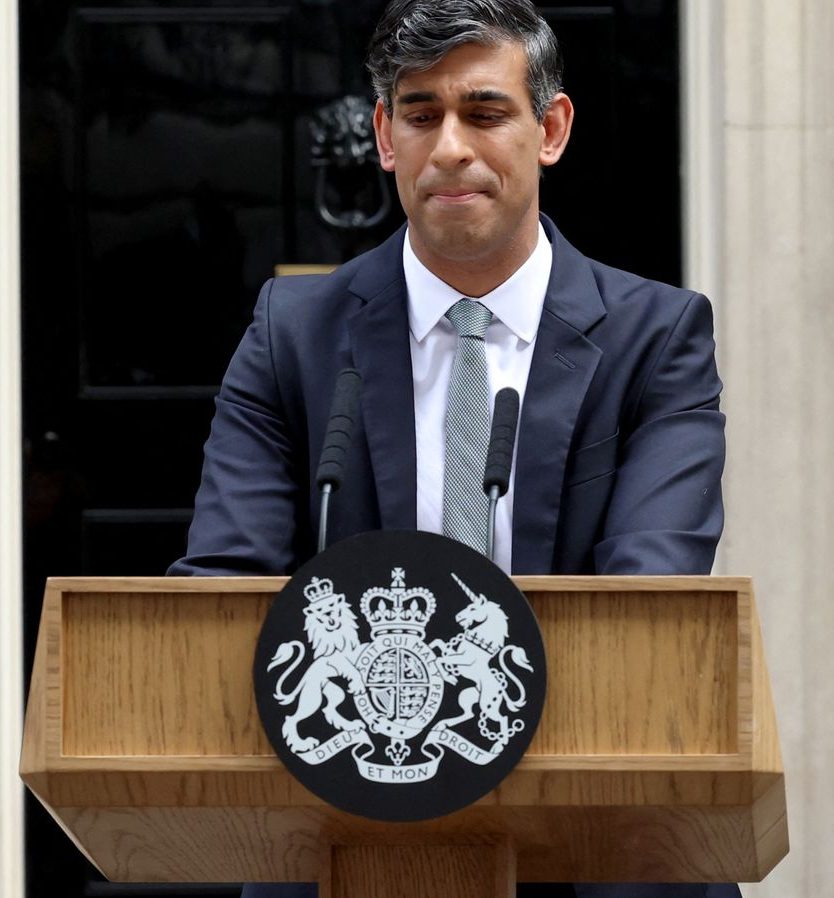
620, 443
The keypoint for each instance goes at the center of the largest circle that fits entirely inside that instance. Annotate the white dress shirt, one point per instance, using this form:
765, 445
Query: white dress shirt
516, 306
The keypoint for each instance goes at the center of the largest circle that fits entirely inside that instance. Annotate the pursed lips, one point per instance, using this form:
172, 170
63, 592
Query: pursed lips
455, 196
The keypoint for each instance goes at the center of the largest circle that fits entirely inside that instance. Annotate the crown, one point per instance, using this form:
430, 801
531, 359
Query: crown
397, 610
318, 589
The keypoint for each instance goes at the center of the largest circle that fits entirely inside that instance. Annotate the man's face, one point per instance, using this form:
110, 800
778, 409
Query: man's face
466, 149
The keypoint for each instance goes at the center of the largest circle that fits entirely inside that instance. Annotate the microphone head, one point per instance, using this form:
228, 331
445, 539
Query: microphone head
502, 441
343, 413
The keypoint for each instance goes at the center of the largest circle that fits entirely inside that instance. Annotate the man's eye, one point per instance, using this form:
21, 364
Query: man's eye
488, 118
419, 118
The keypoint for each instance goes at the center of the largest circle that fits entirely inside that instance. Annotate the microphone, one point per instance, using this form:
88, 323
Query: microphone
343, 413
500, 456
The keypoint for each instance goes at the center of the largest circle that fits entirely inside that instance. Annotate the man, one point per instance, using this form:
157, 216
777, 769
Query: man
620, 446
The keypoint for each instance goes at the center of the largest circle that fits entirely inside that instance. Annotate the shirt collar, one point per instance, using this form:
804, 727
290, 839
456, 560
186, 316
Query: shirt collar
517, 302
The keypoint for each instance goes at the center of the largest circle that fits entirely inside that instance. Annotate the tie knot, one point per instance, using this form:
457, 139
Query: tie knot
469, 318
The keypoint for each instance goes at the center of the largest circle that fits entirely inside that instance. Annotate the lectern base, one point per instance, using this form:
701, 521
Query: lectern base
420, 871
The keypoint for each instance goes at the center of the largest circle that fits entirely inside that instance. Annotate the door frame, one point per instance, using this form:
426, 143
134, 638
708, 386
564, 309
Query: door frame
12, 867
702, 82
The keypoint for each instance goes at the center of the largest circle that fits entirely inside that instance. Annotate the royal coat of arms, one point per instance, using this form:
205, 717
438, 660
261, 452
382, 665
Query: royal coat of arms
378, 679
396, 682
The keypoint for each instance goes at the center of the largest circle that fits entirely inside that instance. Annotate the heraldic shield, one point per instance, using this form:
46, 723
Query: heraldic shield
400, 675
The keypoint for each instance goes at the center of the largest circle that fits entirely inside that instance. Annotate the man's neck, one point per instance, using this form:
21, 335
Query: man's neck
478, 276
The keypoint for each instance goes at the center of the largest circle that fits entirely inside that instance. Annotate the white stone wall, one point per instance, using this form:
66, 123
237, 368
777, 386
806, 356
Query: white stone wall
770, 264
11, 637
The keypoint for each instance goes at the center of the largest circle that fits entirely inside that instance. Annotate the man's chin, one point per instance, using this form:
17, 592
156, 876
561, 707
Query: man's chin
460, 244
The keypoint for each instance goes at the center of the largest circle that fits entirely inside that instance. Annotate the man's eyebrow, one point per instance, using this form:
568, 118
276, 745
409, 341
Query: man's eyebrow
484, 95
487, 94
416, 96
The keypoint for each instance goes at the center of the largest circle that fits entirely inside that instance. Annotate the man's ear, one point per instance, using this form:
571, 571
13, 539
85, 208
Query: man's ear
384, 146
557, 123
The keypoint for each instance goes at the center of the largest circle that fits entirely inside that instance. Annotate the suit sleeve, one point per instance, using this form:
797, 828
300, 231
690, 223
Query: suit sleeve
666, 512
246, 507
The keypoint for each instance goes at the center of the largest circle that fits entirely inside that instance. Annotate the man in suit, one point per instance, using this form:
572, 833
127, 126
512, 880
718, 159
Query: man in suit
620, 444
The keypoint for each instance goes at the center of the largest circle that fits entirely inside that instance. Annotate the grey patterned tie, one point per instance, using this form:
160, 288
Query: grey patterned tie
465, 505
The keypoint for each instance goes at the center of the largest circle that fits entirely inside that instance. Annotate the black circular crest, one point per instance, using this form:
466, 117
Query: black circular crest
400, 675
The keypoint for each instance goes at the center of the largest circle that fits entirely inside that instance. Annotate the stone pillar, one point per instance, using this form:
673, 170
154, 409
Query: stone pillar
775, 324
11, 628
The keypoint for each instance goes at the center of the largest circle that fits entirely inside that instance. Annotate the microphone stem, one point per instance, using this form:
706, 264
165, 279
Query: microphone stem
324, 510
494, 496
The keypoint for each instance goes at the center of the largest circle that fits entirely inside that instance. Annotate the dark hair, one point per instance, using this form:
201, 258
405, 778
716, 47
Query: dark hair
413, 35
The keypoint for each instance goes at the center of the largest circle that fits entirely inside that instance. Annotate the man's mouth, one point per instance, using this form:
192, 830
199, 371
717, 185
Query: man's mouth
455, 195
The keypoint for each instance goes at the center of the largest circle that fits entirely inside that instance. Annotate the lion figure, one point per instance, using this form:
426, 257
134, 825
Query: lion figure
331, 629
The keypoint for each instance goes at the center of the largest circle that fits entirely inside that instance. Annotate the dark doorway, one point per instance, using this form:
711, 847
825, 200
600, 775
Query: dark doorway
166, 170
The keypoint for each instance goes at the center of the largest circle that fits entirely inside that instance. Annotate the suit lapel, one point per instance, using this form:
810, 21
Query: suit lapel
563, 365
382, 354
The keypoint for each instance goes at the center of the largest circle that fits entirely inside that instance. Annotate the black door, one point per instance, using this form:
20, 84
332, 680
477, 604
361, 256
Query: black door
167, 168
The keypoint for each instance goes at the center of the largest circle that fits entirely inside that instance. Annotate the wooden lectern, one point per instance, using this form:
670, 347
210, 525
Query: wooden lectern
657, 757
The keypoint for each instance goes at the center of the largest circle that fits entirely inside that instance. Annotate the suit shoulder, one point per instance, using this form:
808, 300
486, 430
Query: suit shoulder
624, 292
299, 296
643, 317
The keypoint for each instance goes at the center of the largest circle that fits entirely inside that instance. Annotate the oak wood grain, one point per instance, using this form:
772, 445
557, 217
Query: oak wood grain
161, 674
419, 871
638, 672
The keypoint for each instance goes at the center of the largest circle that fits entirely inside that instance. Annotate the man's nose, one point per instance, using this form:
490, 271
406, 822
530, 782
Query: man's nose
452, 147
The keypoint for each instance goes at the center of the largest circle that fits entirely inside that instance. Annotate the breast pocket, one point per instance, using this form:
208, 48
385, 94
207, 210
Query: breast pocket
594, 460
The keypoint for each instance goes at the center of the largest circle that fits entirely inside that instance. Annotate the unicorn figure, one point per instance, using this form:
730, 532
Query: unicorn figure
469, 656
